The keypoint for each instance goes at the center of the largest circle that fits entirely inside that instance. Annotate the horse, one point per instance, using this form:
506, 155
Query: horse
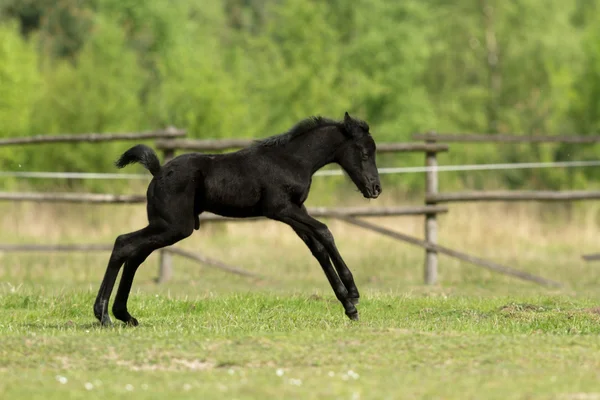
269, 178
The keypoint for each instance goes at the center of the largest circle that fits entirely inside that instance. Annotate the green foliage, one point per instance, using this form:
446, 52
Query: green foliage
20, 88
197, 89
96, 93
252, 68
21, 81
260, 345
585, 101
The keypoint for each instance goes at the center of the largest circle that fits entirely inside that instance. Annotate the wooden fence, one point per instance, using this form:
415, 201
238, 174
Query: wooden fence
429, 210
170, 140
433, 197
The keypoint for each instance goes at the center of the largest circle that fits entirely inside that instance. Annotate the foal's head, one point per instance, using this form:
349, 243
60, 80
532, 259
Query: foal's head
357, 157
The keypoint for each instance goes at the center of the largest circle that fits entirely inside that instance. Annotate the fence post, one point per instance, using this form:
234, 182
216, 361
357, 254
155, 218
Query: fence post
165, 269
165, 266
168, 154
431, 228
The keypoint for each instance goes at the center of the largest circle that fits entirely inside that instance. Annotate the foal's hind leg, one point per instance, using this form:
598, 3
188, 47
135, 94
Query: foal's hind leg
120, 305
167, 236
121, 250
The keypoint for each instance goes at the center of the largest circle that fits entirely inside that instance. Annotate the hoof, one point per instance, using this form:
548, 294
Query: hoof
106, 322
353, 316
132, 322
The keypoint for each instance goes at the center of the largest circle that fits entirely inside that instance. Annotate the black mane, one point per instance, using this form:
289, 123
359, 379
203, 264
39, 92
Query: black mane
302, 127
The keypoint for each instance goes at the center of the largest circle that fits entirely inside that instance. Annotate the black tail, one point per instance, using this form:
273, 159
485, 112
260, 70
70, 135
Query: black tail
142, 154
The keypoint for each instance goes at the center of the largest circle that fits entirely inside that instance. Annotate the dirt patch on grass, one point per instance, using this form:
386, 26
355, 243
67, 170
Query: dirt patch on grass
520, 307
155, 362
317, 297
593, 310
174, 365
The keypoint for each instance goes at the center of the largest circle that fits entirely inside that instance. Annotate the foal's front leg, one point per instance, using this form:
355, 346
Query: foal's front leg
324, 235
298, 218
320, 253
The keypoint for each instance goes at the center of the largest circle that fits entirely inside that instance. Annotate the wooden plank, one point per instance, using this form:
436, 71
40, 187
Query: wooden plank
591, 257
211, 262
166, 262
165, 266
101, 198
231, 144
513, 196
411, 147
17, 248
505, 138
202, 145
130, 199
376, 211
324, 212
431, 226
94, 137
452, 253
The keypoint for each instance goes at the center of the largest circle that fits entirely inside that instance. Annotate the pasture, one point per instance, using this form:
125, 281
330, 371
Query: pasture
208, 334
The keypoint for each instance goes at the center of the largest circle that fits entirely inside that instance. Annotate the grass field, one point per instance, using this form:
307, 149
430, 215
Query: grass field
207, 334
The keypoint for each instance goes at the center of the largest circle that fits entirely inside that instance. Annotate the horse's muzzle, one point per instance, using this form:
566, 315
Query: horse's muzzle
373, 192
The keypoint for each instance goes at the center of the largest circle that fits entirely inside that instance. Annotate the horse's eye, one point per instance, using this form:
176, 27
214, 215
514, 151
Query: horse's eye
365, 156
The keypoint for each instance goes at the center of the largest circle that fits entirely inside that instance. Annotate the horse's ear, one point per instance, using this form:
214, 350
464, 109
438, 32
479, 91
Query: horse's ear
347, 123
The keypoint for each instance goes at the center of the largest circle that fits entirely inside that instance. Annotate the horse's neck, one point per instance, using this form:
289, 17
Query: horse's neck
317, 148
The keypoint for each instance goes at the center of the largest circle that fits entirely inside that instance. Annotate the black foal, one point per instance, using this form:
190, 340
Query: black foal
270, 178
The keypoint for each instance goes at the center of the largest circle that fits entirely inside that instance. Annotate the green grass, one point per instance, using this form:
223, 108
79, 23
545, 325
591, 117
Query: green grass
232, 346
212, 335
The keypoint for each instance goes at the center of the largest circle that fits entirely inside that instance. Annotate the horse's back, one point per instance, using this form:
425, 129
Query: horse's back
236, 184
230, 185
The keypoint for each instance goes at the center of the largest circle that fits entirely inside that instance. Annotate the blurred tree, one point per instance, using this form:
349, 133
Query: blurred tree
255, 67
28, 13
295, 70
63, 25
384, 63
535, 51
199, 86
20, 81
20, 87
98, 94
585, 99
246, 15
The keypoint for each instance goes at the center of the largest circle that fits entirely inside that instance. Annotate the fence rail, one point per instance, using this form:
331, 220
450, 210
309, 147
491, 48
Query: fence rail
88, 248
453, 253
94, 137
332, 212
591, 257
513, 196
97, 198
104, 198
433, 197
50, 248
504, 138
230, 144
170, 140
